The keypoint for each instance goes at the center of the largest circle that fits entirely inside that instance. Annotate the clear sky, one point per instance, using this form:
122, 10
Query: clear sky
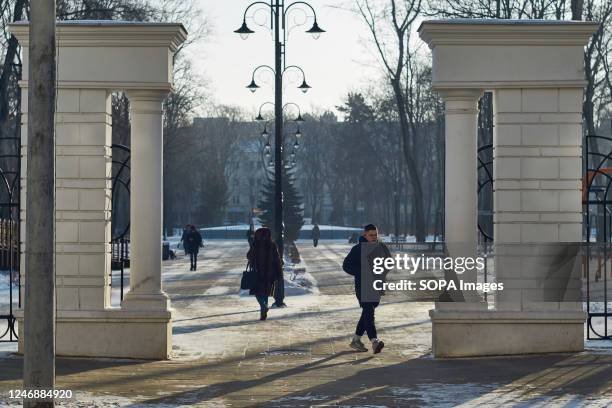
334, 64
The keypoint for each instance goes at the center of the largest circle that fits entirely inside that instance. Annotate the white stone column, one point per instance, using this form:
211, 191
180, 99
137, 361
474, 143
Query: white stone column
461, 175
146, 201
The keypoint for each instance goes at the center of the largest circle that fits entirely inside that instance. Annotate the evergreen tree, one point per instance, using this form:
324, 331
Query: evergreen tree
293, 214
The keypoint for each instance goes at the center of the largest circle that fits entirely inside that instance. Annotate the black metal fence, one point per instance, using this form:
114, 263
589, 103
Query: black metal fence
485, 193
10, 196
10, 286
120, 216
597, 212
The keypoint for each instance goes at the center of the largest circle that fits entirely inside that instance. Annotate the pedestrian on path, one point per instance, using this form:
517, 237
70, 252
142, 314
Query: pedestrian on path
353, 266
192, 242
316, 234
184, 238
265, 260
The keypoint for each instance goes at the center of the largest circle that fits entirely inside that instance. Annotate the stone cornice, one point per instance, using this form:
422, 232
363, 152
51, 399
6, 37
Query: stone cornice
441, 85
506, 32
161, 86
110, 34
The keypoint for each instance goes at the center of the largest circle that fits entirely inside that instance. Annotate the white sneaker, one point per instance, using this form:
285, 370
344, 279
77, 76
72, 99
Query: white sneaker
357, 345
377, 346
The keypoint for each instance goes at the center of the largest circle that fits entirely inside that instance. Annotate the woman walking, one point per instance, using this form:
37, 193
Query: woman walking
265, 260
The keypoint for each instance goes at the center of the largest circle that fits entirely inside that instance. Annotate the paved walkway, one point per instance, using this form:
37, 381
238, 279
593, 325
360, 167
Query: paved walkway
225, 357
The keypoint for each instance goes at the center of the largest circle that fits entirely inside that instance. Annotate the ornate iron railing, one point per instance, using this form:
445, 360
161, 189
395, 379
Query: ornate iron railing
120, 221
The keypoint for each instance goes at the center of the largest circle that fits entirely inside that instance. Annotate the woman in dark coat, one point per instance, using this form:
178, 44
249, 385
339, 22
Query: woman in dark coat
265, 260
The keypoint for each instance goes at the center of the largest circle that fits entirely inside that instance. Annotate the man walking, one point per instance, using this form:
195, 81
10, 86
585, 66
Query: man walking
316, 234
192, 241
359, 264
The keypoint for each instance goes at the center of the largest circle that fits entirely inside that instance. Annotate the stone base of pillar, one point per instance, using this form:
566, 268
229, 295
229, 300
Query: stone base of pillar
477, 304
111, 333
492, 333
146, 302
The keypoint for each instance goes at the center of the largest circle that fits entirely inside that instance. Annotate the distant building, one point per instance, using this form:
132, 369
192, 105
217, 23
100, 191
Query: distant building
244, 169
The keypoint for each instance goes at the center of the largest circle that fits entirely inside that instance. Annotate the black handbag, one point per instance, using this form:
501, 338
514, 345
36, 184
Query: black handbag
249, 277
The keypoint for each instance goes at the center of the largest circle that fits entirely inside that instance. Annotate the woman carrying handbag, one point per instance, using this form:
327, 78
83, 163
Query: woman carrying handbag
265, 264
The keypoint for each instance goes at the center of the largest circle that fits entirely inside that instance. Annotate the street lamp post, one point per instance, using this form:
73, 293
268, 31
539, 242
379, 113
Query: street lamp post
278, 12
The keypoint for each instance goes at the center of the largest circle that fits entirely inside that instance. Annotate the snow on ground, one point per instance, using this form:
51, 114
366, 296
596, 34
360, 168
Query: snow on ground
5, 292
6, 349
411, 238
298, 281
191, 344
599, 346
300, 398
483, 395
305, 227
87, 400
598, 327
223, 290
116, 286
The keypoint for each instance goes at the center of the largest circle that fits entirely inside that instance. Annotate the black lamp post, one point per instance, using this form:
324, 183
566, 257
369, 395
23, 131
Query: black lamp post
278, 23
290, 163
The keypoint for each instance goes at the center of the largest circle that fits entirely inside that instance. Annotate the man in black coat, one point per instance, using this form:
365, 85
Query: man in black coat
192, 243
360, 255
316, 234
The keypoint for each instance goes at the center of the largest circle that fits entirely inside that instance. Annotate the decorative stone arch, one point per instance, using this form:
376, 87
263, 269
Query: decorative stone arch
94, 59
535, 69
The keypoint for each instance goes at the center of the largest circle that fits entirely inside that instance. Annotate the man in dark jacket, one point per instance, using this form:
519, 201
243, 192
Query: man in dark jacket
316, 234
192, 243
360, 255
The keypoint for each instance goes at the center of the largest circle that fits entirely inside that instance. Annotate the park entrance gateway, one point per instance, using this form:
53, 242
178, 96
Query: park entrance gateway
142, 66
535, 70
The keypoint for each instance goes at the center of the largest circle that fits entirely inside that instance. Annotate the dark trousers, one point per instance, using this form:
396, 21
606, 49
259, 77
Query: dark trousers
263, 302
279, 292
193, 258
315, 242
366, 321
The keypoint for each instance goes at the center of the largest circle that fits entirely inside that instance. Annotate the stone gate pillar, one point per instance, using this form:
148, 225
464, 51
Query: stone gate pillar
535, 70
461, 178
94, 59
146, 198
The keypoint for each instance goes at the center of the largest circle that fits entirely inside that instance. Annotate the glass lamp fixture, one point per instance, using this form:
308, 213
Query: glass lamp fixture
245, 31
304, 87
252, 86
315, 31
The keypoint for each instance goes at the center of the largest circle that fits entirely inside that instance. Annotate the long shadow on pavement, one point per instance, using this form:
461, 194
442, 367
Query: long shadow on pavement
427, 382
300, 315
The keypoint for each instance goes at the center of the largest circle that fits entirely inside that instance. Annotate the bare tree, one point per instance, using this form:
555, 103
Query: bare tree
588, 10
11, 12
390, 26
